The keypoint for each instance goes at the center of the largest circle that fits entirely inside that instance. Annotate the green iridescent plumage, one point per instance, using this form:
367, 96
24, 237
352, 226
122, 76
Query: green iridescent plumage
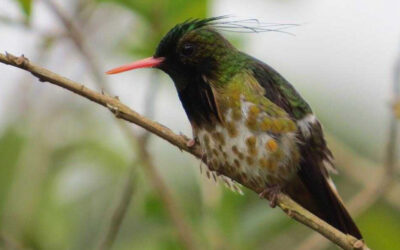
217, 53
251, 123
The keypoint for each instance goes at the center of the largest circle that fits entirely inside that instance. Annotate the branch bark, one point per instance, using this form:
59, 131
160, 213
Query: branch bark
119, 212
371, 193
76, 36
185, 233
291, 208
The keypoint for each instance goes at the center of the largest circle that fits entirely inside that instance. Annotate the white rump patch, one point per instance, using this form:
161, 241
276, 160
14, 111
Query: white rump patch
305, 124
329, 166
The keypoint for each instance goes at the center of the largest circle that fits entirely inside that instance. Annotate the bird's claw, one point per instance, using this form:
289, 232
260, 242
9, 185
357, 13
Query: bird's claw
271, 193
190, 143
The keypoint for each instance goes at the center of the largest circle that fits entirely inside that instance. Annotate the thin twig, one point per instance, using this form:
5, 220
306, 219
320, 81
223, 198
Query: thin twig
371, 193
184, 231
77, 38
149, 102
119, 212
169, 203
391, 147
22, 23
6, 242
291, 208
13, 21
174, 212
356, 205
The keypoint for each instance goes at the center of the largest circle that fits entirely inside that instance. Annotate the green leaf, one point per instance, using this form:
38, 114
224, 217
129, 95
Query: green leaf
156, 22
26, 6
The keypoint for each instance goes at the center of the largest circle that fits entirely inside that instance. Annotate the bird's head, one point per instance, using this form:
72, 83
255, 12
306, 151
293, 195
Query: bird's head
190, 49
201, 62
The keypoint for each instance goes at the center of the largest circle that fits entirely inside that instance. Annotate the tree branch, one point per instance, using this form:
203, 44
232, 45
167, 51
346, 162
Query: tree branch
76, 36
185, 233
119, 212
6, 242
291, 208
371, 193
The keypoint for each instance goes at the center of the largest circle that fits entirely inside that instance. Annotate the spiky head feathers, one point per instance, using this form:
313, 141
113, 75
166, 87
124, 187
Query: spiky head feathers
171, 39
195, 48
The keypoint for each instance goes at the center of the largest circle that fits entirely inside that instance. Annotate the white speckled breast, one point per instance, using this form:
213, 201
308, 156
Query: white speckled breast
253, 156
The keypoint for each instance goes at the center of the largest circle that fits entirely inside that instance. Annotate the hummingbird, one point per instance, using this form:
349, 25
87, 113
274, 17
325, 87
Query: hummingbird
252, 126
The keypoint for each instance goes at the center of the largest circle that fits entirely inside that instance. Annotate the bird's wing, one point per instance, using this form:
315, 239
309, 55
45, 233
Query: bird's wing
312, 187
282, 93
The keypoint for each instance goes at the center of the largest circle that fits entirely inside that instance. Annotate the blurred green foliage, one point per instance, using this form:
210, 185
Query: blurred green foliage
11, 144
70, 214
381, 226
26, 6
158, 17
58, 191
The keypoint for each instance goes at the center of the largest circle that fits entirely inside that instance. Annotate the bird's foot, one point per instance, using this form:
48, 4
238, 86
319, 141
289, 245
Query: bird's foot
271, 193
190, 143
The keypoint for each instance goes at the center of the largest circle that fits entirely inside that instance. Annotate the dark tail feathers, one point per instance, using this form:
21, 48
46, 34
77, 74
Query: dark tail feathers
312, 191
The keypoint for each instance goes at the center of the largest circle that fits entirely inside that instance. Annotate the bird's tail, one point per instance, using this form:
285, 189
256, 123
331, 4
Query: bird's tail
313, 191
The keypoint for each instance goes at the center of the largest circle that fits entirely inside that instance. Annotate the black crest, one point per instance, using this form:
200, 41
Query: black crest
173, 36
220, 23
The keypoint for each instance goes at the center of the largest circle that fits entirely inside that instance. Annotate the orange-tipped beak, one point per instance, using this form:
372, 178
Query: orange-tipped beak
144, 63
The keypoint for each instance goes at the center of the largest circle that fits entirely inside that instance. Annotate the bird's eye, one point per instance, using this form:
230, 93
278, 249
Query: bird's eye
187, 49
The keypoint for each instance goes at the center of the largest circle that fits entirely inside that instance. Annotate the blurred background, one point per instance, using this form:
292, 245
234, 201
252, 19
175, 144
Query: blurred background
74, 177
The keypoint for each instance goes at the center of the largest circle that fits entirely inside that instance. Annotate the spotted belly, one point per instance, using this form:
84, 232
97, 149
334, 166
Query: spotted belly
254, 158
